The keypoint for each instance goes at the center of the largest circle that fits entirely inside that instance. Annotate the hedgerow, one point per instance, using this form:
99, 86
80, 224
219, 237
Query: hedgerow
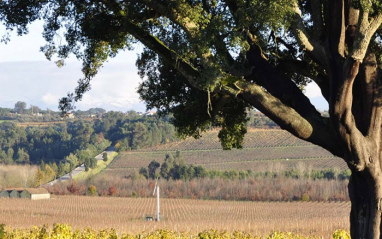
64, 231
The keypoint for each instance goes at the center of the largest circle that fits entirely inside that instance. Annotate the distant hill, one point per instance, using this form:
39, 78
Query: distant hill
263, 150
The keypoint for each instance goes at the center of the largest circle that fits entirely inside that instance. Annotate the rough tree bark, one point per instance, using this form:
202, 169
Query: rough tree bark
357, 118
353, 91
360, 141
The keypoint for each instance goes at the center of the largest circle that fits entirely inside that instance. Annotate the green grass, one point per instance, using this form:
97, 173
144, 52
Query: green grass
101, 165
1, 121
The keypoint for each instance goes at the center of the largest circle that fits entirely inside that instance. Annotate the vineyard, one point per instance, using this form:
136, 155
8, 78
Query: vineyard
263, 150
127, 215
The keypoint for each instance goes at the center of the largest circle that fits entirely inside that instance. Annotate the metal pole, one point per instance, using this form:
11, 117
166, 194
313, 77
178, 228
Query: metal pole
158, 218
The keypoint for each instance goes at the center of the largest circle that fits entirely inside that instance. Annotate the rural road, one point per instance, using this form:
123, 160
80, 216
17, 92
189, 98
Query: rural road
80, 168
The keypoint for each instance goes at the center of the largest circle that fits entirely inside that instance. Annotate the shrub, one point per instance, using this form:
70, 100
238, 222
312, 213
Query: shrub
341, 234
92, 190
112, 191
305, 197
63, 231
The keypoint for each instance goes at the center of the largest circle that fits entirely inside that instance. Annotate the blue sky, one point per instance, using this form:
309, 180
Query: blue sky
26, 75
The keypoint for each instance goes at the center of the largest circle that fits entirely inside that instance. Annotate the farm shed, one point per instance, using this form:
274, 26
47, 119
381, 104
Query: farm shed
5, 193
35, 193
15, 193
31, 193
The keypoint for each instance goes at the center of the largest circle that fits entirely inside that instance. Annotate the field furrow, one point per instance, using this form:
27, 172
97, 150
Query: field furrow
128, 214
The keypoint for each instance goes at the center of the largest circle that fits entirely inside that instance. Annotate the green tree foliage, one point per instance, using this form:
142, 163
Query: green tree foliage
20, 107
67, 145
87, 164
143, 172
39, 177
165, 169
34, 109
104, 156
22, 157
92, 190
140, 135
72, 160
3, 156
152, 169
93, 162
82, 132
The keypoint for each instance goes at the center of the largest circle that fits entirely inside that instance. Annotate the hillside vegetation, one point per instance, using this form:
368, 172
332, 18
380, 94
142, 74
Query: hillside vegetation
263, 150
272, 166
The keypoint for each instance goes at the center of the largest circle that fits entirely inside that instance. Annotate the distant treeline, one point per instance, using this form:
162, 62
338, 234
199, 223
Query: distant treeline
58, 148
174, 168
21, 113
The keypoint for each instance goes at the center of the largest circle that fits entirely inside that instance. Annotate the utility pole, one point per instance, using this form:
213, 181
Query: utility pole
156, 189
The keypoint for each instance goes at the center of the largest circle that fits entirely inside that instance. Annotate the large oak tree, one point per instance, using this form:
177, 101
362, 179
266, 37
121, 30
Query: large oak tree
206, 61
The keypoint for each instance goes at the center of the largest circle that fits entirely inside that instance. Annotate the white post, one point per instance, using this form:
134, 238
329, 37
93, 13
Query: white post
158, 218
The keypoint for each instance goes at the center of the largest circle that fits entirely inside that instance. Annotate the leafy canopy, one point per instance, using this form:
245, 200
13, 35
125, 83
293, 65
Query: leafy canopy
199, 55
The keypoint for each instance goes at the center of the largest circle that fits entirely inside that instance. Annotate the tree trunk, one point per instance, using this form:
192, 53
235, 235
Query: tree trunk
365, 190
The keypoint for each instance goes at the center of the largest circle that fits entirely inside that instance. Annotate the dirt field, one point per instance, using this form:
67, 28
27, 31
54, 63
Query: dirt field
39, 124
128, 215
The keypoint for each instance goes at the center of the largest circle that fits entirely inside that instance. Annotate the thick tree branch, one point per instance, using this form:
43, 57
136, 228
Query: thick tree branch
336, 28
364, 91
305, 41
313, 130
316, 10
304, 69
278, 85
221, 47
285, 116
363, 36
376, 118
355, 143
375, 130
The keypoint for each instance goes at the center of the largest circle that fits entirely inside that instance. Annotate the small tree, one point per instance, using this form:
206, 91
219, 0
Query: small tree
93, 163
20, 107
73, 188
152, 168
112, 190
143, 172
72, 160
92, 190
104, 156
22, 157
39, 177
166, 167
87, 164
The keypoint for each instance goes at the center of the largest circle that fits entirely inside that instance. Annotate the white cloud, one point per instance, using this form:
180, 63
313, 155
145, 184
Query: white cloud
49, 98
110, 102
312, 90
